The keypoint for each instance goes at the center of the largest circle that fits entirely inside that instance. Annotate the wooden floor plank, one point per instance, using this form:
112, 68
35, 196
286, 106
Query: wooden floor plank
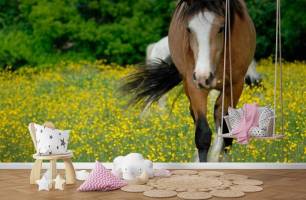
278, 185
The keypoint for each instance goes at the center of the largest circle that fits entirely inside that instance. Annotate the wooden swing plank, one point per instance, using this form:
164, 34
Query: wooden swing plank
273, 137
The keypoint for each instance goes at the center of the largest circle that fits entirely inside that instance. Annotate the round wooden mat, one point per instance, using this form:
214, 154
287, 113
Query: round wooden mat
247, 188
226, 183
188, 182
248, 182
160, 193
181, 189
194, 195
136, 188
227, 193
191, 184
204, 189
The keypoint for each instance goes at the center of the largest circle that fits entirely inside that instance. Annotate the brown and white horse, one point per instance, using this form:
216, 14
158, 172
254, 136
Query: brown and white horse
196, 43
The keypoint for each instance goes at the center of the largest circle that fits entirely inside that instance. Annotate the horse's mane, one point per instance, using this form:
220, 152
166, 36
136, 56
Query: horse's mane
189, 8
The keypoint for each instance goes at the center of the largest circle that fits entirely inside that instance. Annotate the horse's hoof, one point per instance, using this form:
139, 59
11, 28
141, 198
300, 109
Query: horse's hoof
196, 157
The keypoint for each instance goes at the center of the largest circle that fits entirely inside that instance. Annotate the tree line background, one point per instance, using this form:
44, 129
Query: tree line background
35, 32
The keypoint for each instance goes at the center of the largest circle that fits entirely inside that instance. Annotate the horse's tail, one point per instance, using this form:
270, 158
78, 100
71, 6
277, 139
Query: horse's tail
151, 82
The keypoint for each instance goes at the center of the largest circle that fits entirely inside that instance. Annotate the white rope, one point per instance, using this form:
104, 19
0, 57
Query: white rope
230, 54
275, 67
281, 67
224, 64
278, 62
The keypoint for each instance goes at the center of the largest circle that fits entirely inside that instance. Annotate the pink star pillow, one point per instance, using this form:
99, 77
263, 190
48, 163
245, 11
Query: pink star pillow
101, 179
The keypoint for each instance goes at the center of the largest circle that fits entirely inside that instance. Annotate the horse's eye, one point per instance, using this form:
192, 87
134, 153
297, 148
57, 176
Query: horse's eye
188, 30
221, 30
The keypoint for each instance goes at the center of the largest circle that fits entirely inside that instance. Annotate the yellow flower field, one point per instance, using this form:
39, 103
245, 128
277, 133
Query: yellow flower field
83, 97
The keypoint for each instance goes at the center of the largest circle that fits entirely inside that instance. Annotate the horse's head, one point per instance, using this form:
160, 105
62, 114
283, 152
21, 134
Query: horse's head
205, 25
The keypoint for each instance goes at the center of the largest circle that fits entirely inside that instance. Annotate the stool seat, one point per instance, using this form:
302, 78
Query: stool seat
69, 154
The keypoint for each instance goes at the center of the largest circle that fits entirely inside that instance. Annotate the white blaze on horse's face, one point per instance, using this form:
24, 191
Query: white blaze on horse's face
200, 27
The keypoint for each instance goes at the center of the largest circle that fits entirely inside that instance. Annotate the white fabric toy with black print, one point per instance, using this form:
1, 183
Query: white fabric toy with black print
51, 141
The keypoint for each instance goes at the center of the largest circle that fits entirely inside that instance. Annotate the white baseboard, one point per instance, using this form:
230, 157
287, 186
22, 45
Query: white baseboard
90, 165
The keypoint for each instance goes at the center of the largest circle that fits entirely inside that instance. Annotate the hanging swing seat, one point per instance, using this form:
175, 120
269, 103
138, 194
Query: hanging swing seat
268, 134
273, 137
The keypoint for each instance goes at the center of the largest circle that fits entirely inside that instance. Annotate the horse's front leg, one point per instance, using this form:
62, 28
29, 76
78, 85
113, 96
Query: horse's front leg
198, 109
219, 143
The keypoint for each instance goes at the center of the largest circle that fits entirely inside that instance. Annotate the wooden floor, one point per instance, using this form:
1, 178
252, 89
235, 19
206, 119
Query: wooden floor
278, 185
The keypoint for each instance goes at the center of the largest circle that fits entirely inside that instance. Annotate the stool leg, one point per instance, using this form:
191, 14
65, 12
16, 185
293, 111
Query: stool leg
35, 172
69, 170
53, 172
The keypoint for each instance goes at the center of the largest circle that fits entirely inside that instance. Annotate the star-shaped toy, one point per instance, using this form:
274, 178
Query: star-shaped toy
43, 184
59, 183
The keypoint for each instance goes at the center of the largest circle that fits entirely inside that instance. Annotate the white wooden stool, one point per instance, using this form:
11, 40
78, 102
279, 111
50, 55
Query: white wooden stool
66, 158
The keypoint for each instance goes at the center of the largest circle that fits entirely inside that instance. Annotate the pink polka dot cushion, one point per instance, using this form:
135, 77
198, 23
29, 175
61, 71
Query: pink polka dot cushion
101, 179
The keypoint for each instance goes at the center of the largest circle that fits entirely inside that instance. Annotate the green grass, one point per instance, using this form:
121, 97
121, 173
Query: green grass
83, 97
